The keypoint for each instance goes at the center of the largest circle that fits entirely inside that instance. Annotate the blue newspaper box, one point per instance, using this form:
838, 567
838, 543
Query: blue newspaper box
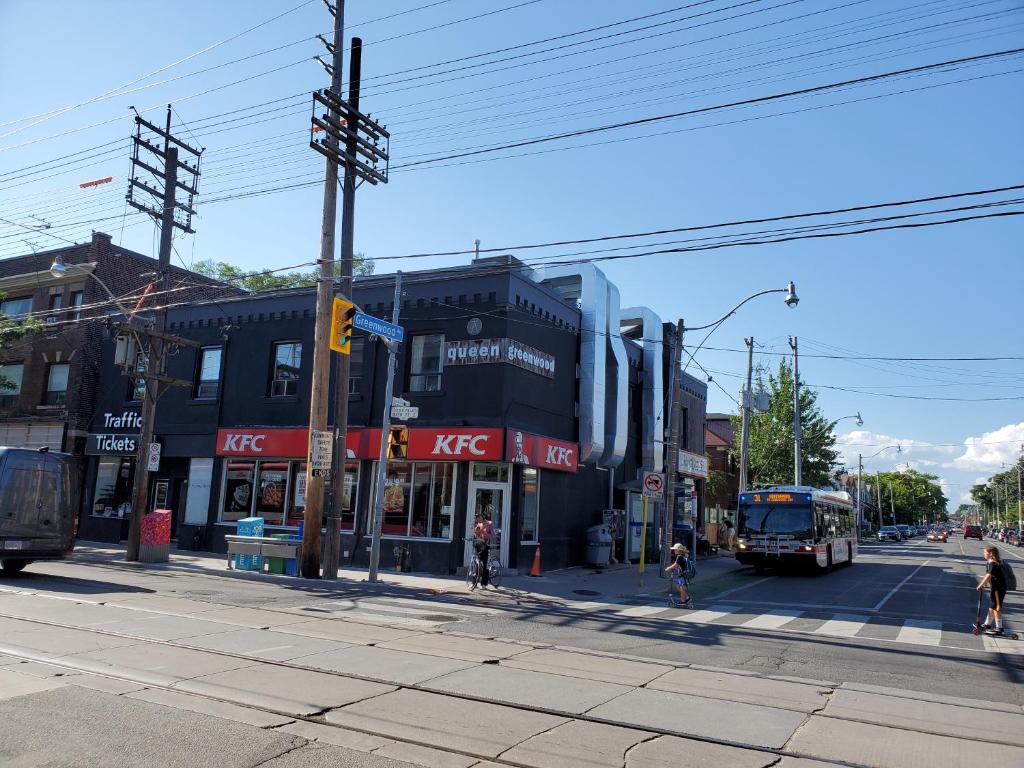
249, 526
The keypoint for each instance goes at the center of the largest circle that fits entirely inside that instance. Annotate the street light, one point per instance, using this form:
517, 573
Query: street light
59, 269
860, 484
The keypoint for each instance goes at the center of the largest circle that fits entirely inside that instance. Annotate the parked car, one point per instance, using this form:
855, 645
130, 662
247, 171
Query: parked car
38, 506
906, 530
937, 534
889, 533
972, 532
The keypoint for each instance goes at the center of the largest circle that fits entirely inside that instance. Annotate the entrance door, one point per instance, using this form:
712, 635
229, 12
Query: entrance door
491, 500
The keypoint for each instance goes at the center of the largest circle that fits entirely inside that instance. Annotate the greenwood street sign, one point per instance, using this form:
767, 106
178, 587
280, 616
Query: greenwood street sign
378, 327
405, 412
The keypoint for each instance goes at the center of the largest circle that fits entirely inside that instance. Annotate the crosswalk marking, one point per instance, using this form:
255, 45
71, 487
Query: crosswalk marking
772, 619
1003, 645
920, 632
842, 625
708, 615
641, 610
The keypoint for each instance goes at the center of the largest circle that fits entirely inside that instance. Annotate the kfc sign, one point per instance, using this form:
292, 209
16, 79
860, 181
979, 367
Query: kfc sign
540, 451
277, 443
473, 444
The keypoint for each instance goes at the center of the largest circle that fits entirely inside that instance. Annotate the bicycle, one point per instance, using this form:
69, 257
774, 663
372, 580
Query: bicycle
494, 571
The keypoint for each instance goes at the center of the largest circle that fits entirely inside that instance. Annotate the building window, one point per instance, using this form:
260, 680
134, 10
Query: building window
137, 384
114, 481
16, 309
355, 371
427, 363
208, 374
75, 301
418, 499
529, 505
10, 383
56, 301
287, 361
57, 384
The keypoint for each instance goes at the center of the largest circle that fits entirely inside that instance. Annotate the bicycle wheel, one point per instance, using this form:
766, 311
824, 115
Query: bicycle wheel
494, 573
472, 573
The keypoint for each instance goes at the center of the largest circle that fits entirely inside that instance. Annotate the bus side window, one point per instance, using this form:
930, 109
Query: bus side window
819, 526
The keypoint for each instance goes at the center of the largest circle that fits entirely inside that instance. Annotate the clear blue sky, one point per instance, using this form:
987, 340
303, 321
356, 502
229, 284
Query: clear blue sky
947, 291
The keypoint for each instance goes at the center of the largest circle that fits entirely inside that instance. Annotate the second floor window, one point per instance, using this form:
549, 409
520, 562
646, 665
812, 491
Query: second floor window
10, 383
208, 374
286, 363
425, 367
57, 384
75, 301
16, 309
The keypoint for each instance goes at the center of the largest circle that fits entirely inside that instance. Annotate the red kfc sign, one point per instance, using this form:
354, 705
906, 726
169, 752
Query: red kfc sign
447, 444
540, 451
275, 443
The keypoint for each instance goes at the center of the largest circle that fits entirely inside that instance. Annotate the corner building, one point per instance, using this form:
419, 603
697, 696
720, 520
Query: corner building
539, 402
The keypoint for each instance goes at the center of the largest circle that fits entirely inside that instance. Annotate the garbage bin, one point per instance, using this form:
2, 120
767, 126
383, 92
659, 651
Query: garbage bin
599, 545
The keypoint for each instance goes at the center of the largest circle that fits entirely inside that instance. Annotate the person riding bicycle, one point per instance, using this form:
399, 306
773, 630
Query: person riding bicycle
679, 565
483, 536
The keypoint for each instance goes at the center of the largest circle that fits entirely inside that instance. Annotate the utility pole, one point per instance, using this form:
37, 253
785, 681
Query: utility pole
153, 375
860, 492
343, 363
745, 403
382, 465
672, 454
798, 475
878, 498
1020, 527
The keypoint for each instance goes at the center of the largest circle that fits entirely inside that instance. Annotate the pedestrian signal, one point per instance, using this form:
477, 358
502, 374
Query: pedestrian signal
398, 443
342, 315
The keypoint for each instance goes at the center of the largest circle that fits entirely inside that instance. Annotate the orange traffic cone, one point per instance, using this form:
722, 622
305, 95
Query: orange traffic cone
535, 569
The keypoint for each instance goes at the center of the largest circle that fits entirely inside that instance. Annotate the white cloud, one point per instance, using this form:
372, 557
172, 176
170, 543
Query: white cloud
990, 451
918, 453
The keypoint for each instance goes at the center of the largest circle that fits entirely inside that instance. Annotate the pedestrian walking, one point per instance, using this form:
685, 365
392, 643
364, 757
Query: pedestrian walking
995, 580
730, 534
678, 566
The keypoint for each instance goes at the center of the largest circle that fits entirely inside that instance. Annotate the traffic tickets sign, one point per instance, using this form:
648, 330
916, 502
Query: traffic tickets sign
321, 444
653, 485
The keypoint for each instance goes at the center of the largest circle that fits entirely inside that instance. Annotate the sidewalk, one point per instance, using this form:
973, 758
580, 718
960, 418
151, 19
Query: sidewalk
621, 582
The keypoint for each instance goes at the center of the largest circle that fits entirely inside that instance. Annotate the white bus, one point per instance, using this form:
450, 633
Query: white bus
788, 524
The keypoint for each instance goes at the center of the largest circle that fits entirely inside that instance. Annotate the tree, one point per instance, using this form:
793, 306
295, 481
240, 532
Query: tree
12, 329
915, 496
264, 280
770, 459
997, 502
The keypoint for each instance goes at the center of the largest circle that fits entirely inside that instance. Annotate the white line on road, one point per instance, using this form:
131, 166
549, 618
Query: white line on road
843, 625
773, 619
896, 589
920, 632
709, 615
641, 610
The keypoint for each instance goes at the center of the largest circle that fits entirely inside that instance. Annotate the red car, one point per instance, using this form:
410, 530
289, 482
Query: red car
973, 532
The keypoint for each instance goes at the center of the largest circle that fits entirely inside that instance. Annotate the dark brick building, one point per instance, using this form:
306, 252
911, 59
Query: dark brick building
55, 372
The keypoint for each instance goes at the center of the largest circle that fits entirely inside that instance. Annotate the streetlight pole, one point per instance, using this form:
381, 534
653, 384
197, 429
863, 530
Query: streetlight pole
797, 474
745, 416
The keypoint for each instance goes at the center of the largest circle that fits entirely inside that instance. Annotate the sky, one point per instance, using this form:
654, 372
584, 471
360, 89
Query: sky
460, 76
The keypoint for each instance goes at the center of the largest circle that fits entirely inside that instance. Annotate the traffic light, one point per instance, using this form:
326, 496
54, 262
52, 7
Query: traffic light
398, 443
342, 315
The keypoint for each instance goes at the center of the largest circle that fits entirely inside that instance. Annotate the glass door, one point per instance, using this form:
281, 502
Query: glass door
491, 500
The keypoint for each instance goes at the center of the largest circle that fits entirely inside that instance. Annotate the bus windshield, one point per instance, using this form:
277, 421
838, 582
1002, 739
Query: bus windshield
777, 520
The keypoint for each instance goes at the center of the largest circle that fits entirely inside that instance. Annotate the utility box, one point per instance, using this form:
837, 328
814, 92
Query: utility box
155, 536
249, 526
599, 545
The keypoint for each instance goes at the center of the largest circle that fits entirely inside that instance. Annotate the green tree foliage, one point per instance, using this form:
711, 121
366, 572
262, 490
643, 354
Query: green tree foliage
261, 280
999, 493
771, 436
916, 497
10, 331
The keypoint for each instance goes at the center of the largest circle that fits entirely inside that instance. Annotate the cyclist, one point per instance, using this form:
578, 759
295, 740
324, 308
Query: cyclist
679, 566
483, 535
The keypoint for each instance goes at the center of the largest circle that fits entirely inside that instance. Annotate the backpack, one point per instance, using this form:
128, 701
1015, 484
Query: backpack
1011, 579
690, 572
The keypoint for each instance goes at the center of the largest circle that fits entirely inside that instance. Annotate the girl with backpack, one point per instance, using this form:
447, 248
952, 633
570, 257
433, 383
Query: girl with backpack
680, 565
996, 580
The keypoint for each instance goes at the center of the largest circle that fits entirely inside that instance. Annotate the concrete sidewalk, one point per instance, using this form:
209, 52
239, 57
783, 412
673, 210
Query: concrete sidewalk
616, 583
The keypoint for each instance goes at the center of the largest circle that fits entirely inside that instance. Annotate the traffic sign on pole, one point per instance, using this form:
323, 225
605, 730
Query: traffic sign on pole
321, 445
405, 412
653, 485
378, 327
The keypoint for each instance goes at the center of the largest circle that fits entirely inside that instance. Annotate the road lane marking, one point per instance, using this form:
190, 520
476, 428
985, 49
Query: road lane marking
843, 625
920, 632
641, 610
772, 619
896, 589
1003, 645
708, 615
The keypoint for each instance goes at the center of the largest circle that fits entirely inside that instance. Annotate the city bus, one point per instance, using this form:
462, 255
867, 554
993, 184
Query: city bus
788, 524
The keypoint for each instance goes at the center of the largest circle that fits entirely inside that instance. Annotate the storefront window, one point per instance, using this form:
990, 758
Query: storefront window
114, 478
298, 486
491, 473
529, 505
418, 500
239, 479
272, 485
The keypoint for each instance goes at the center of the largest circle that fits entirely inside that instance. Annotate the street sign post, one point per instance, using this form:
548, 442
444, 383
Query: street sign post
378, 327
405, 412
400, 401
321, 445
153, 458
653, 485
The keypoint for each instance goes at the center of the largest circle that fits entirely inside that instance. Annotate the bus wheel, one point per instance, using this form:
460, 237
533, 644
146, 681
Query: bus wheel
828, 560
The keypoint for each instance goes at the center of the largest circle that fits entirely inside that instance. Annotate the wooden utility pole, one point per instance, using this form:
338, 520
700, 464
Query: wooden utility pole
797, 461
672, 454
313, 517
